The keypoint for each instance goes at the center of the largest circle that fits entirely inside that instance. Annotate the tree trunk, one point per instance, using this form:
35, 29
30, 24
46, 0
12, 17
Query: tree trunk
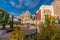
11, 25
3, 25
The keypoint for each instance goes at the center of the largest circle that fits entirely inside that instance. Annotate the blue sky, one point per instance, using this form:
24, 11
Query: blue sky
17, 7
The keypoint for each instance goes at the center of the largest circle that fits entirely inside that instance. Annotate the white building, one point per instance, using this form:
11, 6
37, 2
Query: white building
56, 6
46, 9
26, 18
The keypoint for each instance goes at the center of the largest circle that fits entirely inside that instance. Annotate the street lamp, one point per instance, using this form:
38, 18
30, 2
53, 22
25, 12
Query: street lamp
36, 23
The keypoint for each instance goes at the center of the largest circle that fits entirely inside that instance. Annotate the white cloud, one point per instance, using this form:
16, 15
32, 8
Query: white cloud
14, 4
31, 3
16, 16
26, 3
12, 13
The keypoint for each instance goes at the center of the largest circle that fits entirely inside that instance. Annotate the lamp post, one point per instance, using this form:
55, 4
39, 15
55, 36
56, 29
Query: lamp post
36, 23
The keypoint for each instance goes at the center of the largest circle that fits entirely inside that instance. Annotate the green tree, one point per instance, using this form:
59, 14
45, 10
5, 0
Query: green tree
11, 21
4, 16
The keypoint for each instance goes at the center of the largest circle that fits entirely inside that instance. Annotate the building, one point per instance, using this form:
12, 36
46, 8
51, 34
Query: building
38, 15
26, 18
56, 6
25, 15
46, 9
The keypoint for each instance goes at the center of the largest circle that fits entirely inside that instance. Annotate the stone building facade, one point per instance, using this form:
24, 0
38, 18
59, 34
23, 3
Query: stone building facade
56, 7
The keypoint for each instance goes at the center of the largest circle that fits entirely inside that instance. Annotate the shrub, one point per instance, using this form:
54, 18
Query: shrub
18, 34
49, 31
